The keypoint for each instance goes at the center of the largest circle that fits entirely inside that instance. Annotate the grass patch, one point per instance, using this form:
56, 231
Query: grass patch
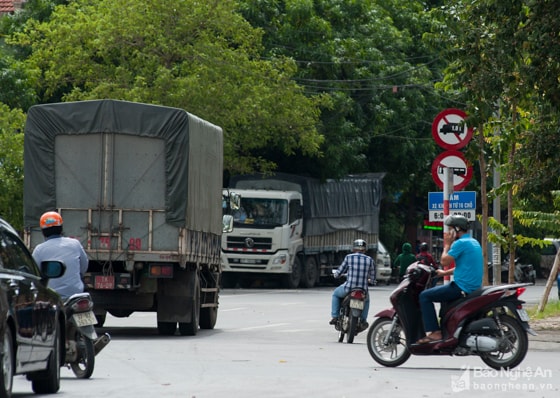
552, 309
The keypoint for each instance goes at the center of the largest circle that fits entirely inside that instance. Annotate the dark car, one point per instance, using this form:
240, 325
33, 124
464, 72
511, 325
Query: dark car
31, 317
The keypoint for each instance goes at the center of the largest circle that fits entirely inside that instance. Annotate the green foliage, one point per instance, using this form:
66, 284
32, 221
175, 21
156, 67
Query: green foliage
368, 56
544, 224
552, 309
17, 91
199, 56
11, 165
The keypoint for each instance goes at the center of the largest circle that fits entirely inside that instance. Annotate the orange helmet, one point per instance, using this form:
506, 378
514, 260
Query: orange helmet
50, 219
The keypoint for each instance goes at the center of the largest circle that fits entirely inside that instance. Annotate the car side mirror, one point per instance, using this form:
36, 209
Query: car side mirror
52, 269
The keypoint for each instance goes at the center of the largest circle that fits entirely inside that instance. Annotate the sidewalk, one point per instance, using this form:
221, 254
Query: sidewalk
546, 340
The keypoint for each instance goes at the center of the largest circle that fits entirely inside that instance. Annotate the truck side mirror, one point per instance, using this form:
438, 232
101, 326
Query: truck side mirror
234, 201
300, 212
227, 223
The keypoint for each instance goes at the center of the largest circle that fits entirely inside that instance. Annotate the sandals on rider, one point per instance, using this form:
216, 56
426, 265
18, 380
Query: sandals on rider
431, 338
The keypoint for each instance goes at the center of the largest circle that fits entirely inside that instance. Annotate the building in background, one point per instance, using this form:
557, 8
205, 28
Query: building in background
10, 6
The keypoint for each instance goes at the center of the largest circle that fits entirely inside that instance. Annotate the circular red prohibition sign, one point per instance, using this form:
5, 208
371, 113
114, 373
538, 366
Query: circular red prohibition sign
450, 130
462, 170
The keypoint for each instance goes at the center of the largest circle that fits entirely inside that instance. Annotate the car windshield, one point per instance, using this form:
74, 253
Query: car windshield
261, 212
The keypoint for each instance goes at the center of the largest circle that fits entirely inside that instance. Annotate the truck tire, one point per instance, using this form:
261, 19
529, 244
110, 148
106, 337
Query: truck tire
229, 280
208, 317
292, 280
310, 273
191, 328
166, 328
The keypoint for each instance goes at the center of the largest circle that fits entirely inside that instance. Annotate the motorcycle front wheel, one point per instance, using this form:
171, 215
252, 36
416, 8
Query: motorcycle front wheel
83, 367
513, 347
386, 345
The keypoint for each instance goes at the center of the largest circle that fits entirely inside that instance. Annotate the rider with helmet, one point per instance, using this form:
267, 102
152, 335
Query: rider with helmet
59, 248
425, 257
465, 251
359, 269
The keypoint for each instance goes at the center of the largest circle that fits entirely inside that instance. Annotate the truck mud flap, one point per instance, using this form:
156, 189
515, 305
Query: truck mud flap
177, 298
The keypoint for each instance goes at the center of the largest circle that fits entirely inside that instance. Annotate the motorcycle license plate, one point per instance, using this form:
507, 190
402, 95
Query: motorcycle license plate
357, 304
84, 318
523, 315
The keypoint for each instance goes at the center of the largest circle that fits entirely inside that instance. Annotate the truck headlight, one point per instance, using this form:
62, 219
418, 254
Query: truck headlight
281, 259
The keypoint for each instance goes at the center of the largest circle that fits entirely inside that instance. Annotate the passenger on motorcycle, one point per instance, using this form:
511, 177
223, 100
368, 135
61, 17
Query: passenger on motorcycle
359, 269
425, 257
465, 251
67, 250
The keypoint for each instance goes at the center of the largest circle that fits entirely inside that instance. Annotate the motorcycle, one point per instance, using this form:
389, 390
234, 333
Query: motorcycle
525, 273
82, 342
522, 273
349, 321
490, 323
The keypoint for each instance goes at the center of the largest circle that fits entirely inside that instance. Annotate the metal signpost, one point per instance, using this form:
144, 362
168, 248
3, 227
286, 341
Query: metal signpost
450, 169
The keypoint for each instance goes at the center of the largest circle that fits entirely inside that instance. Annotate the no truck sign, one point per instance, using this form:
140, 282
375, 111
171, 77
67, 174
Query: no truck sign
450, 130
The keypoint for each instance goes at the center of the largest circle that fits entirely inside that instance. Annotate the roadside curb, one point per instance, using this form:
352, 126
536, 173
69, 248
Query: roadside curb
546, 340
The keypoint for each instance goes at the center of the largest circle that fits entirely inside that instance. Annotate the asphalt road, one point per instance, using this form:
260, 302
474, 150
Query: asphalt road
277, 343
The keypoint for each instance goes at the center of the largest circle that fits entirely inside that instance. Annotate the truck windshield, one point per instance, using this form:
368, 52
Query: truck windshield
261, 212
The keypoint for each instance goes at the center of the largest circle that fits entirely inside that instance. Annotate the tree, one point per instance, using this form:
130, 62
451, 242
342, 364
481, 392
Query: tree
504, 63
11, 165
369, 58
199, 56
549, 223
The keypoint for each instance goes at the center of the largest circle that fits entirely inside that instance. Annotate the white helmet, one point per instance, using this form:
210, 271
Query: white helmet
359, 244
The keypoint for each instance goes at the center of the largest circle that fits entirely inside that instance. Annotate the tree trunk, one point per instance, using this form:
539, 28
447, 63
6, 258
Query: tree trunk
483, 204
549, 282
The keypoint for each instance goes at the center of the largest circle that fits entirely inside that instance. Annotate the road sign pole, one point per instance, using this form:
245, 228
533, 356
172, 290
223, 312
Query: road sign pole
447, 192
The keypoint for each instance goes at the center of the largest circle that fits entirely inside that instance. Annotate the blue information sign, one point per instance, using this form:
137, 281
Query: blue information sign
460, 202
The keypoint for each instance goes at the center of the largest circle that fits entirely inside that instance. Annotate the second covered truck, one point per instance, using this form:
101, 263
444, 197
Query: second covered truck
298, 229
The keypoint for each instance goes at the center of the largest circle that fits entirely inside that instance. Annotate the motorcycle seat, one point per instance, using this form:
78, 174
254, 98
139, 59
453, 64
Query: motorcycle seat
447, 305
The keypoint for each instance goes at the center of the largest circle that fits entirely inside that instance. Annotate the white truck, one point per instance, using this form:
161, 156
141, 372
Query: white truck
298, 229
140, 186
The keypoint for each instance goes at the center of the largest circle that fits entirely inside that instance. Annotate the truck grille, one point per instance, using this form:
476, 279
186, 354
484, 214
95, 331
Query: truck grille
249, 244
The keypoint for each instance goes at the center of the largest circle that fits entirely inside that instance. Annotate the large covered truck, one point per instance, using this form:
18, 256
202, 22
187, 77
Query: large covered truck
298, 229
140, 186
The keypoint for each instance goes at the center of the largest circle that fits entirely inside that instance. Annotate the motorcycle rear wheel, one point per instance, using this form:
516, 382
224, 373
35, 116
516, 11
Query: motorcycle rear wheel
343, 324
83, 367
513, 347
395, 352
352, 326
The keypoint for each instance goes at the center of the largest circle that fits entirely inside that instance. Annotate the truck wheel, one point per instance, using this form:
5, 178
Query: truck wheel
310, 273
166, 328
229, 280
191, 328
208, 317
291, 281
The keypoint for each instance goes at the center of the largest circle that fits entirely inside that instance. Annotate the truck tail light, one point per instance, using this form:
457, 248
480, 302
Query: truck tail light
161, 271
